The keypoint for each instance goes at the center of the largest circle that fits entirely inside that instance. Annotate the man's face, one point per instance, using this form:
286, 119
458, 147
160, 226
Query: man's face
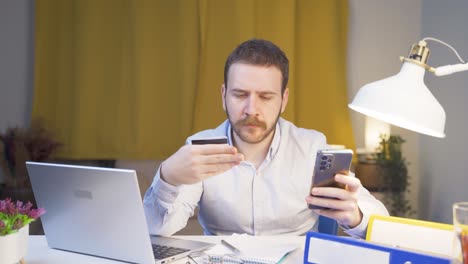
253, 101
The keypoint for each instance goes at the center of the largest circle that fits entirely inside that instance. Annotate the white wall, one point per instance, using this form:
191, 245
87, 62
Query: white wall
379, 32
16, 63
444, 162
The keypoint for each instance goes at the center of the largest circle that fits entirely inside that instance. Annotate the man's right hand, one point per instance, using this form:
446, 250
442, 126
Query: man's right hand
194, 163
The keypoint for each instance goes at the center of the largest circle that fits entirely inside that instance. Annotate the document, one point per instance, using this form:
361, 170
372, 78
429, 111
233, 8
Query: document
254, 249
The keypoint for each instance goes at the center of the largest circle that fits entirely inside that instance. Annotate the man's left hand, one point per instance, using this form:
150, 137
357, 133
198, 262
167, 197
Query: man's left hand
341, 204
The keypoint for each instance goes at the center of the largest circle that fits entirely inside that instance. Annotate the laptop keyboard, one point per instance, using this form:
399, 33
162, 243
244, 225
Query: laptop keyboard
162, 252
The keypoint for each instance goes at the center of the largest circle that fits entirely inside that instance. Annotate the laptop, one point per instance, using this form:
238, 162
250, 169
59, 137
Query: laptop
99, 212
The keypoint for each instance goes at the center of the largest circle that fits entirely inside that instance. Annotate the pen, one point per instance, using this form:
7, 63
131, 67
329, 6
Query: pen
230, 246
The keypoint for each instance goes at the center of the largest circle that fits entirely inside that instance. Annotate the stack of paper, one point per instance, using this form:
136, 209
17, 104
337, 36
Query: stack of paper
255, 249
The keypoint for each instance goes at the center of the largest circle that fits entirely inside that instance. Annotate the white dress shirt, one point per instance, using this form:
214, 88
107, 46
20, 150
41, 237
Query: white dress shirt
269, 200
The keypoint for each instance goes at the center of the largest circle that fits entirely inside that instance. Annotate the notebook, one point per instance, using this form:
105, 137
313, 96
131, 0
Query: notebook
99, 212
253, 249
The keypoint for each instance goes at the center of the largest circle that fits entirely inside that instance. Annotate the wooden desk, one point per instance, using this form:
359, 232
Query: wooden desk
40, 253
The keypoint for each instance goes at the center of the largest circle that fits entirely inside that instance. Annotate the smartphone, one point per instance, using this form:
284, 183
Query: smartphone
328, 163
210, 140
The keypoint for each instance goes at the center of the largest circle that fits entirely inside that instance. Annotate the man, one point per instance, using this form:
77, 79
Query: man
259, 183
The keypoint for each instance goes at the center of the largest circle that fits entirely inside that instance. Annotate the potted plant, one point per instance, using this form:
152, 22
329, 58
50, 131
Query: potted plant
14, 229
394, 175
18, 145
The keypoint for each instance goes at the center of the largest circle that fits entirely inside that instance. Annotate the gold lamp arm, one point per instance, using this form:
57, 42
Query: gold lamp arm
419, 55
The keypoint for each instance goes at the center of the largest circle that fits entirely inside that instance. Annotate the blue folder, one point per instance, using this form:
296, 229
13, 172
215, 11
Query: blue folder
324, 249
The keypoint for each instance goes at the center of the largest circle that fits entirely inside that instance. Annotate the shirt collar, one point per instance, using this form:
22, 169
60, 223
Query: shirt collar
275, 143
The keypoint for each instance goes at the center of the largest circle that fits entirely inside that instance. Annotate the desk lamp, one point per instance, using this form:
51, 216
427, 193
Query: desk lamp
403, 99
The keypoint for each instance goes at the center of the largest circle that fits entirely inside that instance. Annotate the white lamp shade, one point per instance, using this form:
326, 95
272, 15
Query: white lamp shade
403, 100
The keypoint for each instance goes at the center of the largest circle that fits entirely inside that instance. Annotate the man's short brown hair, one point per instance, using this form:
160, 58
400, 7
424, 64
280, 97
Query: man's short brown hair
262, 53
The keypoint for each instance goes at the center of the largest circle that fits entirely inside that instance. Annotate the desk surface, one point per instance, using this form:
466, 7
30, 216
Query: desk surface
40, 253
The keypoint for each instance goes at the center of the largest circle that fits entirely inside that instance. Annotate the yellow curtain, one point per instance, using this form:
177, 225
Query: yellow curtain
132, 79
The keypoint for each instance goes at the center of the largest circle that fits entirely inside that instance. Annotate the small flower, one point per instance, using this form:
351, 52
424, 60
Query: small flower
7, 207
23, 209
36, 213
14, 216
2, 206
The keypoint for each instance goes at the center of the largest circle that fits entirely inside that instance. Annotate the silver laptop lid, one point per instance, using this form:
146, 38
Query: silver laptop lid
96, 211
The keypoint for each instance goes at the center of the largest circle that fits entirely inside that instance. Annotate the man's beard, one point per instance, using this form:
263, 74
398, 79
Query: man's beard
251, 120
